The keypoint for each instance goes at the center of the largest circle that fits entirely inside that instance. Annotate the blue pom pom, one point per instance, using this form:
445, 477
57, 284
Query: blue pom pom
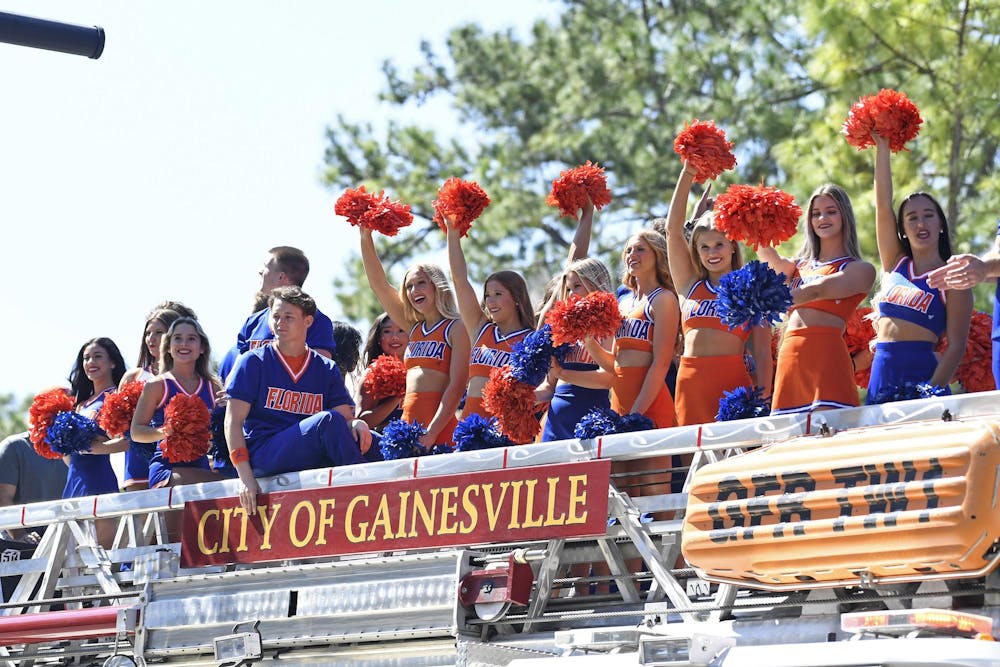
440, 449
72, 433
478, 432
634, 421
742, 403
597, 422
401, 440
909, 391
531, 356
752, 295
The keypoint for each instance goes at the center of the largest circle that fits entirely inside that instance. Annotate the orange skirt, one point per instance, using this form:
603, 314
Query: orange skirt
813, 371
421, 406
701, 382
625, 388
474, 406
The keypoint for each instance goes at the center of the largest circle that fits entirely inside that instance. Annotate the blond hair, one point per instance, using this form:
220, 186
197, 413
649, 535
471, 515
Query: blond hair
444, 294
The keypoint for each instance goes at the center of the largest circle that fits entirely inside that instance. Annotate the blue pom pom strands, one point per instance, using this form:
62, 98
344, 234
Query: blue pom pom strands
635, 422
218, 449
605, 421
72, 433
742, 403
752, 295
478, 432
597, 422
531, 356
440, 449
909, 391
401, 440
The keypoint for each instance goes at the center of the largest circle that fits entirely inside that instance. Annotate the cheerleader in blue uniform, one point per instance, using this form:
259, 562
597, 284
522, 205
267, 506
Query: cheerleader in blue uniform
98, 369
569, 401
912, 315
184, 365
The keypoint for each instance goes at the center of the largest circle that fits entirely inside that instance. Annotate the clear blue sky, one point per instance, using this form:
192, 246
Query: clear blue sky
169, 166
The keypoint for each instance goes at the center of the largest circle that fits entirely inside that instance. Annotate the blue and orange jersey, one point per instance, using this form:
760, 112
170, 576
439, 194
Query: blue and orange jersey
429, 348
492, 349
906, 295
700, 310
636, 330
810, 270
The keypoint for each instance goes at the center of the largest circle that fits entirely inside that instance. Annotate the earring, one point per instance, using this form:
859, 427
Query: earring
904, 236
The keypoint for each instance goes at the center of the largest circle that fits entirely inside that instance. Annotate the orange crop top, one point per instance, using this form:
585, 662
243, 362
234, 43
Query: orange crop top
701, 311
636, 330
808, 270
429, 349
492, 349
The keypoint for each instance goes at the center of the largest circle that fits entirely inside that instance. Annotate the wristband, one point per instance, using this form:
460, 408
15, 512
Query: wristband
240, 455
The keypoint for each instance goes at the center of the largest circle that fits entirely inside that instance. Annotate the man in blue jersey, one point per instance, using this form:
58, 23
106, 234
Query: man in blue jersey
288, 408
966, 271
284, 265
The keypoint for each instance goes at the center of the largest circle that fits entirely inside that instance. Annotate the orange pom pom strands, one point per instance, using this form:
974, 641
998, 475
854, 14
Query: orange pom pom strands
373, 211
575, 318
889, 114
757, 215
703, 147
571, 189
463, 200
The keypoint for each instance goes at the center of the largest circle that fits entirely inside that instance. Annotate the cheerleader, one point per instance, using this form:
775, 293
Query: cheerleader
384, 338
437, 354
98, 369
912, 315
139, 454
184, 369
569, 401
503, 317
828, 280
713, 361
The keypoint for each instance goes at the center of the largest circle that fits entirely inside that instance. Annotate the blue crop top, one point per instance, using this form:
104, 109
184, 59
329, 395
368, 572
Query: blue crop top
907, 297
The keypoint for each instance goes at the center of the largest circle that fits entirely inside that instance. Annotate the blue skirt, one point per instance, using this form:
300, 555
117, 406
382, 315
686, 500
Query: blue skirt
898, 363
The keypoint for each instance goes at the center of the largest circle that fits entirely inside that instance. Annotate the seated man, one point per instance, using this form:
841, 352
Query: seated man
288, 408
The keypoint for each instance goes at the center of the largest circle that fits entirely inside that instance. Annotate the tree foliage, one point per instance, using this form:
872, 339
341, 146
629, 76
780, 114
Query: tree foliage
613, 81
13, 414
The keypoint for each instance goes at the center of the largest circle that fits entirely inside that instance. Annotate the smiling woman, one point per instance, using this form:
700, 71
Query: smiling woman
437, 355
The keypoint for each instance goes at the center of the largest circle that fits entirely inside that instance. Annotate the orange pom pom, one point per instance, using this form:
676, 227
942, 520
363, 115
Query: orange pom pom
975, 371
889, 114
758, 215
385, 377
513, 404
116, 414
42, 413
464, 200
575, 318
703, 146
188, 425
858, 336
371, 211
571, 189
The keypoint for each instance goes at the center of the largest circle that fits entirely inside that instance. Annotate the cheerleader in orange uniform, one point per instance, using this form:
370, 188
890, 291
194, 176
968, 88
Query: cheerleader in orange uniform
828, 281
437, 354
713, 360
503, 317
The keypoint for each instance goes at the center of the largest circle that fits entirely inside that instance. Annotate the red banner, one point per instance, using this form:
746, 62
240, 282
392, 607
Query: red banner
522, 504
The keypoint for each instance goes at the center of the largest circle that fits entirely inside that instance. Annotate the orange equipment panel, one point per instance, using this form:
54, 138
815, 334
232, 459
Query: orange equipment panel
880, 504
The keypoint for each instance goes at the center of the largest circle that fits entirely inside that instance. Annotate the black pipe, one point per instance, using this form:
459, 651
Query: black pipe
37, 33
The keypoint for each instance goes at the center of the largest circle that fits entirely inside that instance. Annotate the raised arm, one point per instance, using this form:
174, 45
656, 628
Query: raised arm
890, 249
779, 264
468, 302
682, 269
384, 292
959, 312
580, 246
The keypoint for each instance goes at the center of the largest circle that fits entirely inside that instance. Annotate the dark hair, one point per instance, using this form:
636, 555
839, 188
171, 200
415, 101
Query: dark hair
944, 240
348, 346
166, 317
292, 262
80, 385
373, 344
293, 295
518, 289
